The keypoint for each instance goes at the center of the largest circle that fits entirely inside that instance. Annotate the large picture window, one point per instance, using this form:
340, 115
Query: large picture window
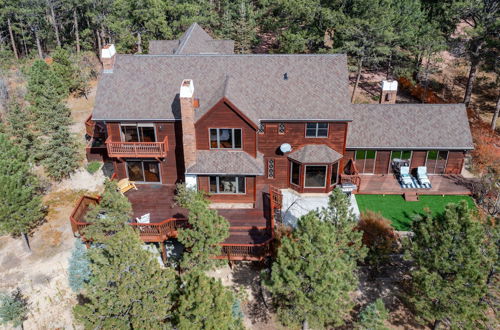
365, 161
225, 138
295, 173
436, 161
227, 184
143, 171
315, 176
315, 130
138, 133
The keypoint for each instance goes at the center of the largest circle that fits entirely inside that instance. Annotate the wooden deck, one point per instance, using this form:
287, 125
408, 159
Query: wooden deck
248, 226
388, 185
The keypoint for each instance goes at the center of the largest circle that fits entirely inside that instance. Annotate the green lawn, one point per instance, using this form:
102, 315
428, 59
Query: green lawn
400, 212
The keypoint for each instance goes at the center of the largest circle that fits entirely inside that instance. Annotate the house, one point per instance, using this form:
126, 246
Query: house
243, 127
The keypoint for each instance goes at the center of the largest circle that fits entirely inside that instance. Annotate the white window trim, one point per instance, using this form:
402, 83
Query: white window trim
218, 138
326, 172
228, 193
317, 128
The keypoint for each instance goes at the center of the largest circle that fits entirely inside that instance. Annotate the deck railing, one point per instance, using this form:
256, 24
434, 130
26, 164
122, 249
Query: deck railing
137, 149
246, 251
89, 126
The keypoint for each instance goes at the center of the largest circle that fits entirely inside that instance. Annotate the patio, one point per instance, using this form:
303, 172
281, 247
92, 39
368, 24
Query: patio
387, 184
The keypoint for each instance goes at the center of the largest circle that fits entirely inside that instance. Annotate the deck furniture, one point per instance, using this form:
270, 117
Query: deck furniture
144, 219
422, 176
404, 175
125, 185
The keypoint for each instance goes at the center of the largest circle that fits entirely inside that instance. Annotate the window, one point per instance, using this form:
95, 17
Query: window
365, 161
401, 154
316, 130
143, 171
138, 133
262, 128
227, 184
225, 138
436, 161
335, 172
295, 173
281, 128
315, 176
270, 168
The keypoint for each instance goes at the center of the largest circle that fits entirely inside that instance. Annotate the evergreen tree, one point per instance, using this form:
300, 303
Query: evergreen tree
63, 158
452, 262
239, 24
314, 274
127, 289
19, 126
64, 69
372, 317
207, 230
205, 304
111, 215
79, 267
13, 309
21, 204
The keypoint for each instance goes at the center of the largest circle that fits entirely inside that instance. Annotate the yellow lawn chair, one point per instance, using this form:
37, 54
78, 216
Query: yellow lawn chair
125, 185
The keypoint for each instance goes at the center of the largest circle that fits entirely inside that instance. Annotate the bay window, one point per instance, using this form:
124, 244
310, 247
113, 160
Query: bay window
294, 173
315, 176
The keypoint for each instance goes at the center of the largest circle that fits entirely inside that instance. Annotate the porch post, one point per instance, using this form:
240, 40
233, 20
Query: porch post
163, 252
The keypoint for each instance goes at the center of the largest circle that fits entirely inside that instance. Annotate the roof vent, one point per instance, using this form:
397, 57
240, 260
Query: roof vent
285, 76
285, 147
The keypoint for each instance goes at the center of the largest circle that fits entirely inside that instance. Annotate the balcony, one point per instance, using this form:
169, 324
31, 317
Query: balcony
137, 149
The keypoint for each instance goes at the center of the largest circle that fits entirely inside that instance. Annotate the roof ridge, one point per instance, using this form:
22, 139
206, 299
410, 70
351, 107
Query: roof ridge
235, 55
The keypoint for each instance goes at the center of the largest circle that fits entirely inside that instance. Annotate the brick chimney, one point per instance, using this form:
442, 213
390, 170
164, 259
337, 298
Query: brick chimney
108, 57
389, 92
187, 115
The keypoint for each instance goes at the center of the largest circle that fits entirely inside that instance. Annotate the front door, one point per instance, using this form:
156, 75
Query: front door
144, 171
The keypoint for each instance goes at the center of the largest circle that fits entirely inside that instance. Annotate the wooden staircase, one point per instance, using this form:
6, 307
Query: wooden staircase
411, 196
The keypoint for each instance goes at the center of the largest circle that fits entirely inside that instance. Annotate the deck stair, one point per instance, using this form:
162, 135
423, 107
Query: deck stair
411, 196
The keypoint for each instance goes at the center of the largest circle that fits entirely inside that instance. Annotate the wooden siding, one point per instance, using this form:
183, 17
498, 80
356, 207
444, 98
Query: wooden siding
114, 132
269, 142
382, 162
418, 159
223, 116
455, 162
248, 197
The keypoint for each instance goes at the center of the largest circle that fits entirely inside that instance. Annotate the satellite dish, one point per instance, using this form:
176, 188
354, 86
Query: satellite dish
285, 147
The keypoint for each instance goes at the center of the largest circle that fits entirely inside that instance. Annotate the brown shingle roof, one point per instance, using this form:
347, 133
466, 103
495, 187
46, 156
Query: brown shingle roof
163, 47
411, 126
226, 162
147, 86
315, 153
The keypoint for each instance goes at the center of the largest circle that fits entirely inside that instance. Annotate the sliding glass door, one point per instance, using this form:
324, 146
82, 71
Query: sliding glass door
144, 171
436, 161
365, 161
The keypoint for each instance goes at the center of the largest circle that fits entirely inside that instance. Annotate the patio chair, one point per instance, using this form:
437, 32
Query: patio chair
144, 219
125, 185
405, 176
422, 176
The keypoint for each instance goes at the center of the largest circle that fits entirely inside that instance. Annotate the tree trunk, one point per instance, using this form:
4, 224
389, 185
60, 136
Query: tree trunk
426, 87
305, 325
358, 76
54, 22
139, 43
436, 324
495, 115
77, 34
470, 81
38, 45
26, 242
99, 44
24, 42
12, 40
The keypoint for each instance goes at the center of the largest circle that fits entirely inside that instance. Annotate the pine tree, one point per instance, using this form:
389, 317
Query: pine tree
315, 273
452, 262
79, 267
205, 304
21, 204
207, 230
111, 215
13, 309
64, 69
127, 289
372, 317
63, 158
19, 126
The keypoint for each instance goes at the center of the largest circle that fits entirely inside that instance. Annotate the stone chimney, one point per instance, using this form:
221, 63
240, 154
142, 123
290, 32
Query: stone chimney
108, 57
187, 115
389, 92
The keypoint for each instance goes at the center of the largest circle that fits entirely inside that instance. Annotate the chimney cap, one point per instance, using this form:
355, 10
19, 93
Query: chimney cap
187, 88
389, 85
108, 51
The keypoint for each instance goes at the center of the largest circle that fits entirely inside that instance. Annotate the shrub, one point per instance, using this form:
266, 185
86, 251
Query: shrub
13, 308
378, 236
79, 267
372, 317
93, 167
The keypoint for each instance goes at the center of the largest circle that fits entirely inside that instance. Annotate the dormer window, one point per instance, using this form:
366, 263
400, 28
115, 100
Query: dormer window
317, 130
225, 138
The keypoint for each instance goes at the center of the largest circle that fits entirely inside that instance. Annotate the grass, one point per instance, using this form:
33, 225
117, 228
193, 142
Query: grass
401, 212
